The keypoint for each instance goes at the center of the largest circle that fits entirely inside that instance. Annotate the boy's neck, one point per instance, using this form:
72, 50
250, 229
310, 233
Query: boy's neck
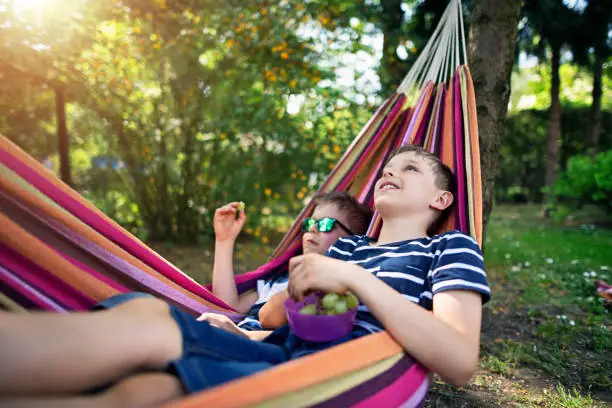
402, 229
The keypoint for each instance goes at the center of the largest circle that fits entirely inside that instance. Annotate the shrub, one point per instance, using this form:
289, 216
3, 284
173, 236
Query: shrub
586, 181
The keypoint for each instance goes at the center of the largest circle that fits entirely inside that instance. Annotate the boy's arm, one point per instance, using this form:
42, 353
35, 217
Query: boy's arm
224, 283
446, 342
272, 314
227, 227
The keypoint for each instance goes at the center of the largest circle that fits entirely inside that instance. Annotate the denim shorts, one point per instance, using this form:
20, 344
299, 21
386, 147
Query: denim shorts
212, 356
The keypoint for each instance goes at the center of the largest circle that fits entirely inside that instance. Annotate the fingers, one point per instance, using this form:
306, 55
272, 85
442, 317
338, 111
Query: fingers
214, 318
295, 262
231, 209
298, 274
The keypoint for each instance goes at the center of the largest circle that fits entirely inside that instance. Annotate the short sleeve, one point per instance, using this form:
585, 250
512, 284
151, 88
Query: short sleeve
459, 265
343, 248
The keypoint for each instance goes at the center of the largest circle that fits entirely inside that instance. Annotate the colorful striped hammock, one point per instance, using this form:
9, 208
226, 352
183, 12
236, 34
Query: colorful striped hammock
60, 253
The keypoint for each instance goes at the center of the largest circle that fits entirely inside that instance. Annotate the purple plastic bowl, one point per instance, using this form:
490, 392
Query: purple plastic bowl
318, 329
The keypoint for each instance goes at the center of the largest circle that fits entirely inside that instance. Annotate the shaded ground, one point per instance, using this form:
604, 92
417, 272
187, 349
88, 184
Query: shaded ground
546, 339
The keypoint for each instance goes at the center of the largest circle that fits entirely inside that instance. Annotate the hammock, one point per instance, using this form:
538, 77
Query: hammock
58, 252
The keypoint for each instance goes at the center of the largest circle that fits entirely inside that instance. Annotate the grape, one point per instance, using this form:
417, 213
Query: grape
351, 301
329, 300
340, 306
309, 310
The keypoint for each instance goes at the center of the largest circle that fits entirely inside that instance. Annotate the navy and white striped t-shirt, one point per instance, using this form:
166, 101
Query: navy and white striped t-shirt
265, 289
417, 268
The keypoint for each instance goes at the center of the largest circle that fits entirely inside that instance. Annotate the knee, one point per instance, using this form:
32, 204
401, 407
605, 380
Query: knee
144, 390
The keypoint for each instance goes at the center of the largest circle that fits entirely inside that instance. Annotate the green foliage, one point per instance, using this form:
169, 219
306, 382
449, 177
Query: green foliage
194, 103
573, 398
522, 161
586, 181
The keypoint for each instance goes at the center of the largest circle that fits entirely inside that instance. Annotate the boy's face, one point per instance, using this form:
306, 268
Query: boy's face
316, 242
407, 185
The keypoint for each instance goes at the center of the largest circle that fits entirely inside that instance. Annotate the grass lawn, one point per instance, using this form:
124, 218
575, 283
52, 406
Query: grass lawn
547, 337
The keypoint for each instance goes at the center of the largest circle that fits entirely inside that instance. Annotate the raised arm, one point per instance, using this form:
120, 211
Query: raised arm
227, 227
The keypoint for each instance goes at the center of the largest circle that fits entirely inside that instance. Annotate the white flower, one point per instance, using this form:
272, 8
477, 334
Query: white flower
604, 268
585, 274
516, 268
572, 323
590, 299
593, 273
574, 262
558, 317
550, 260
507, 256
527, 264
564, 317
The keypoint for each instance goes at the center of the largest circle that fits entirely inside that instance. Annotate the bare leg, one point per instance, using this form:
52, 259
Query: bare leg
139, 391
56, 354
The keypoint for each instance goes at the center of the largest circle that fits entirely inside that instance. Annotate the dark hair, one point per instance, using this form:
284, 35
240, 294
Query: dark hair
443, 177
359, 215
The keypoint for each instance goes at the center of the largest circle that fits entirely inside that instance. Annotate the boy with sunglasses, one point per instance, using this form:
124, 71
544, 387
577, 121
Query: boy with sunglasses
336, 214
425, 291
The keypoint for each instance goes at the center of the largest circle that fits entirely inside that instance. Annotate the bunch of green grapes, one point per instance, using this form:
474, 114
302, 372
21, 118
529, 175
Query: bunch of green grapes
331, 304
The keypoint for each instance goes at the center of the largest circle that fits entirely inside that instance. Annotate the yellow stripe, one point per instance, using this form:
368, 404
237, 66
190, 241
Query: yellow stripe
331, 387
11, 176
10, 305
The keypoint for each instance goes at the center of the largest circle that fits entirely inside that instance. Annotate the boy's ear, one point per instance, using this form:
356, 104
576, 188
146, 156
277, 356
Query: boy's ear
443, 201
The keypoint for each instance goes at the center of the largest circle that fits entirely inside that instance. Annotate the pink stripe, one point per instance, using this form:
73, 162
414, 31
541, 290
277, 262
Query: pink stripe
459, 162
28, 291
382, 131
418, 107
105, 228
70, 235
104, 280
53, 287
400, 391
438, 121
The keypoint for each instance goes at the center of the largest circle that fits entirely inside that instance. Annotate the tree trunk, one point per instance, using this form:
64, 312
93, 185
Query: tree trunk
62, 136
595, 113
492, 40
554, 119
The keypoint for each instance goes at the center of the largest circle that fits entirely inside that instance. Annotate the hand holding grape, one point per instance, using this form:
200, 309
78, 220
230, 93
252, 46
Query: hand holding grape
315, 272
226, 225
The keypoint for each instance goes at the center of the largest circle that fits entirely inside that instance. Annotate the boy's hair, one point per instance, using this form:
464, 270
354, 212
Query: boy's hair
443, 177
359, 215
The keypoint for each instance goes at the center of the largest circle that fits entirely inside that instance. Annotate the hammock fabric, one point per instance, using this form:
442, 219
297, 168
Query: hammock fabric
60, 253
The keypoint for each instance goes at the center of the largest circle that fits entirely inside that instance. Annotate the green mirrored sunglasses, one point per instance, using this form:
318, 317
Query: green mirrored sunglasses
325, 224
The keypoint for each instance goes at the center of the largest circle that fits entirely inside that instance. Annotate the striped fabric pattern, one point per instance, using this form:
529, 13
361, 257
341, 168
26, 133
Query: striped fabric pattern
59, 253
417, 268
